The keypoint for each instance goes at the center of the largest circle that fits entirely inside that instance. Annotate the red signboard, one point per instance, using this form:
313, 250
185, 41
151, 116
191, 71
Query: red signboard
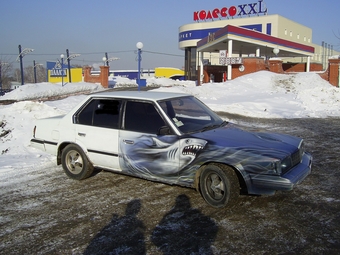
232, 11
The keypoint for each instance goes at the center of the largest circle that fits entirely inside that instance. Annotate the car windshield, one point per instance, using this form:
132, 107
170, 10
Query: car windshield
190, 115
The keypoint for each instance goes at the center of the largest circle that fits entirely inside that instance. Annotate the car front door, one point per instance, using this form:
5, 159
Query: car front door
143, 152
97, 130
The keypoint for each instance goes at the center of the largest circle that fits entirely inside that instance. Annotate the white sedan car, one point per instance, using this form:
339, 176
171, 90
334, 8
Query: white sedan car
172, 138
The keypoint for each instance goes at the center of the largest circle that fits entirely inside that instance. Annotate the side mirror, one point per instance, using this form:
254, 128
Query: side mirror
164, 130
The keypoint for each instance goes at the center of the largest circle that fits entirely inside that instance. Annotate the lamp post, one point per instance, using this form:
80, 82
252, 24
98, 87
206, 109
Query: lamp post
69, 57
62, 69
108, 60
139, 46
19, 58
35, 70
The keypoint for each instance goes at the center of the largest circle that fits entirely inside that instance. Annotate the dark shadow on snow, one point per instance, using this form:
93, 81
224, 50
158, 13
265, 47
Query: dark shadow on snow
184, 230
123, 235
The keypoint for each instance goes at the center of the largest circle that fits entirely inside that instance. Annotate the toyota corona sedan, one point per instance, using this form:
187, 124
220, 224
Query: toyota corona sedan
172, 138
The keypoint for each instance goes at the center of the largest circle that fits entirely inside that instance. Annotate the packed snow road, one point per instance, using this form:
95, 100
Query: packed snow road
48, 213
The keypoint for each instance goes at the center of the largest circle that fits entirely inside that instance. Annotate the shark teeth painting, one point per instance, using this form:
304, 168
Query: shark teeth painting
192, 150
161, 156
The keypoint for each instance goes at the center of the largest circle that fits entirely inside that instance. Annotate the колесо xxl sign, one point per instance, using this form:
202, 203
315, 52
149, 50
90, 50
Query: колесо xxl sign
242, 9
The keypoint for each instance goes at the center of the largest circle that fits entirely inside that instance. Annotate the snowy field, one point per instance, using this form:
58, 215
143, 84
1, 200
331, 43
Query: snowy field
262, 94
43, 211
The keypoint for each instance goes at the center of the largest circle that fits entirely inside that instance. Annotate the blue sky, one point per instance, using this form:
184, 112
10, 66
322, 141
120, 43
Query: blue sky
92, 28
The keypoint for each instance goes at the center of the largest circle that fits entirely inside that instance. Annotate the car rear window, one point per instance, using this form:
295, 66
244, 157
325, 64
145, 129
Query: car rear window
100, 113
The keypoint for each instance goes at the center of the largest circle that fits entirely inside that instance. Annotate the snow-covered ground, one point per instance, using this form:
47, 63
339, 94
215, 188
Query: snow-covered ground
262, 94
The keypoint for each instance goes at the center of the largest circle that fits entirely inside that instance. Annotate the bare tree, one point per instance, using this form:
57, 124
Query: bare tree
29, 75
41, 73
338, 37
6, 69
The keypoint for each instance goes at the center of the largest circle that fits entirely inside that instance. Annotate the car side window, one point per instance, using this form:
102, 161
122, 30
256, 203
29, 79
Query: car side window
101, 113
142, 117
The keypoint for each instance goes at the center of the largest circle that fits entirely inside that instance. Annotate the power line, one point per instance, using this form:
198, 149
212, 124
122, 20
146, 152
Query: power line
161, 53
94, 53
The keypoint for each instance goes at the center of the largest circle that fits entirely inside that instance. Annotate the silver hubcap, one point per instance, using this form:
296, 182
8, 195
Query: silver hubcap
215, 186
74, 162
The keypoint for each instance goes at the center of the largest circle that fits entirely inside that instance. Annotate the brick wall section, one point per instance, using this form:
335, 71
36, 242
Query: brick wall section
102, 78
325, 75
301, 67
333, 74
252, 65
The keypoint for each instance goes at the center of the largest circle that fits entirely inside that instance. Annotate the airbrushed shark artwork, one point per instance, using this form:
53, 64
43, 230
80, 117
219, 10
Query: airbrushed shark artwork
173, 160
163, 156
172, 138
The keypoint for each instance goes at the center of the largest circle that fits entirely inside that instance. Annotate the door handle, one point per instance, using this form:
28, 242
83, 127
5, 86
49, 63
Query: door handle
82, 134
128, 141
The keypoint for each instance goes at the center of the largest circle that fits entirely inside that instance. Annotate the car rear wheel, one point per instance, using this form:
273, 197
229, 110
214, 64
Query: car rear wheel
75, 163
219, 185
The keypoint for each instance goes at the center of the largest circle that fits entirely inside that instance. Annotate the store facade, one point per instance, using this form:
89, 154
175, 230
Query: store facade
245, 31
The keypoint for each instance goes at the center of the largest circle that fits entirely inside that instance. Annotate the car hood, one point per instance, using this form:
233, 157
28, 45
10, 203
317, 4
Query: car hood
232, 136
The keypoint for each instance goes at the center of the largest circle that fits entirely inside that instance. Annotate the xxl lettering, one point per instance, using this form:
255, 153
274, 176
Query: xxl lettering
260, 7
242, 10
252, 8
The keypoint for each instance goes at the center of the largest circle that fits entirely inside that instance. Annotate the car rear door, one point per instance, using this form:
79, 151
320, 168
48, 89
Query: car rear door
97, 129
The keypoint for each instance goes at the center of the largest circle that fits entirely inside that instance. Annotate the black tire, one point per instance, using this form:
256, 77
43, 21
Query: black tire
219, 185
75, 163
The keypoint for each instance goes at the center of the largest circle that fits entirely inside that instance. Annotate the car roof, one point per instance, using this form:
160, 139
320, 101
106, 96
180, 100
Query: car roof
147, 95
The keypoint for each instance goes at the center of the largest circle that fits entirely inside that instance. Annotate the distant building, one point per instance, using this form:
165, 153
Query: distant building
246, 31
15, 85
158, 72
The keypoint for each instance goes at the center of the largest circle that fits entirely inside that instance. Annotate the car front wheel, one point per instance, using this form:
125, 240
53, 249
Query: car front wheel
75, 163
219, 185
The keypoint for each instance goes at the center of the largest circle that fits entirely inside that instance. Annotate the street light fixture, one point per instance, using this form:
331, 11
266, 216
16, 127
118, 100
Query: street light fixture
276, 51
110, 59
69, 57
139, 46
106, 59
19, 58
62, 69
